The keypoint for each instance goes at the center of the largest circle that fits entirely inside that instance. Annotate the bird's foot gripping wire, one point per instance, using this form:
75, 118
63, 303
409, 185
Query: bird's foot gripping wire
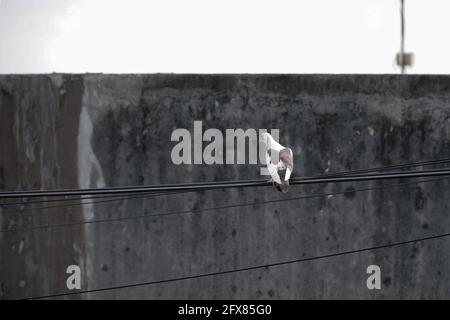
284, 187
274, 184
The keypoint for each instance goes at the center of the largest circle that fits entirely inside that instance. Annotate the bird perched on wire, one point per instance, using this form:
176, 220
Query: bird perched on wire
285, 162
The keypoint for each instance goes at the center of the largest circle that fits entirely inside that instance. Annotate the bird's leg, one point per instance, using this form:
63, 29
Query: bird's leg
274, 184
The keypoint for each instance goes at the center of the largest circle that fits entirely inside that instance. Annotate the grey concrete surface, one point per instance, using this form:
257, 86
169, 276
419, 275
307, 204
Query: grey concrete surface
59, 131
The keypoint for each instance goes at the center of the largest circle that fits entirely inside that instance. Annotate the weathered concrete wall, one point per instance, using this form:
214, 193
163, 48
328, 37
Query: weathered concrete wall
38, 130
114, 130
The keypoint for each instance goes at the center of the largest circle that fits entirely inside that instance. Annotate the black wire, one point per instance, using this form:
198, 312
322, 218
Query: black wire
87, 197
391, 167
270, 265
304, 180
261, 266
374, 176
196, 211
154, 194
115, 190
219, 185
114, 198
367, 170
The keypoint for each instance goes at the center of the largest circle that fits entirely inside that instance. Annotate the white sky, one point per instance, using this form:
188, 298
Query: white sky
226, 36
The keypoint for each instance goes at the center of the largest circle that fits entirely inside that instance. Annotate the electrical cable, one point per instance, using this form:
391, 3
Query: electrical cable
221, 185
196, 211
154, 194
399, 166
244, 269
109, 199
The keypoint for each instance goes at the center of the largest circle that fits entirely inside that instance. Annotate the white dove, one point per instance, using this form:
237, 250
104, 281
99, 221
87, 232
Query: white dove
285, 162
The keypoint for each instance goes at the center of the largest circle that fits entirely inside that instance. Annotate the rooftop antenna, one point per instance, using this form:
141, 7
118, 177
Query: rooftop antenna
403, 58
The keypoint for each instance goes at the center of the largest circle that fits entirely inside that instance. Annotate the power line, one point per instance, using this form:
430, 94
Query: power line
108, 199
220, 185
147, 195
274, 264
395, 175
391, 167
86, 197
197, 211
368, 170
270, 265
120, 190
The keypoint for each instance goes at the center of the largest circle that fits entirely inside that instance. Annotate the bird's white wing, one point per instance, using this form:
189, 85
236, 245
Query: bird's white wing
287, 176
288, 160
272, 169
